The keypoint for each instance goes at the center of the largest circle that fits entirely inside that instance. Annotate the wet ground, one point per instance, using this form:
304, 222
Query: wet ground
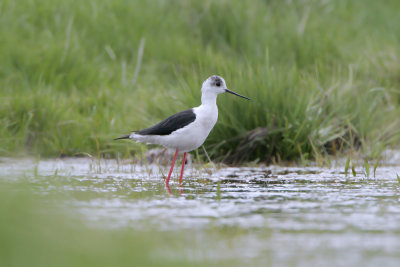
265, 216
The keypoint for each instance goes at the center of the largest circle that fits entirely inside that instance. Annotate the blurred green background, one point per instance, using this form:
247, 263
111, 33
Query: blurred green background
323, 75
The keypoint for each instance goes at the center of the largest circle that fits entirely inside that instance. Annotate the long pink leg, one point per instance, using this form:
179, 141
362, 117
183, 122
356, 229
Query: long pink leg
168, 189
183, 167
172, 167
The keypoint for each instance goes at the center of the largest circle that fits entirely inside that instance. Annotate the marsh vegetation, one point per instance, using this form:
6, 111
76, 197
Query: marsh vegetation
323, 75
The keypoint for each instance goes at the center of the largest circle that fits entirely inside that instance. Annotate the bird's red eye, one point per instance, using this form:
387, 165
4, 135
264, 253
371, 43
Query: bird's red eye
218, 84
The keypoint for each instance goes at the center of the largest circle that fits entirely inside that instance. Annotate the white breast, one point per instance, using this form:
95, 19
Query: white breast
206, 117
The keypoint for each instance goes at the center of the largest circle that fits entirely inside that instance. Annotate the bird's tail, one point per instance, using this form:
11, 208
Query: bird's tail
123, 137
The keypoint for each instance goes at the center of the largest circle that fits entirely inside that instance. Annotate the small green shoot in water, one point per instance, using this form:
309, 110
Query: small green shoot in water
353, 170
375, 166
366, 166
346, 167
398, 178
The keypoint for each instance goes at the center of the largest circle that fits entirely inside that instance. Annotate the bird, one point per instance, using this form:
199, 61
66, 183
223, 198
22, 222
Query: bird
187, 130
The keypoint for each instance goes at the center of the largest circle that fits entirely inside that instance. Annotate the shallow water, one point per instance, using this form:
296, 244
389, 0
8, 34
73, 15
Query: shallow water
266, 215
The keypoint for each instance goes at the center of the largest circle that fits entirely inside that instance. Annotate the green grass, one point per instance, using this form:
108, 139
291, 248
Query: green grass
323, 75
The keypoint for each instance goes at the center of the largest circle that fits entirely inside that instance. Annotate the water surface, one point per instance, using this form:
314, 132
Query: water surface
257, 215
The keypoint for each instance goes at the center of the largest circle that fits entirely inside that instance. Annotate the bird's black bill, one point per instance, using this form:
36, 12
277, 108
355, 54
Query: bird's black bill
229, 91
123, 137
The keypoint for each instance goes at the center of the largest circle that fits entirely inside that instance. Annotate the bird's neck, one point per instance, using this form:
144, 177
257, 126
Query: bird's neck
208, 99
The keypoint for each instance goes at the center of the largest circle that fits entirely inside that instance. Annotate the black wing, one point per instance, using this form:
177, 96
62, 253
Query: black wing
170, 124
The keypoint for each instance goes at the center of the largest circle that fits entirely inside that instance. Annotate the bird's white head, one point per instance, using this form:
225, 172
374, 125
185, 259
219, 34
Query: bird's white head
213, 86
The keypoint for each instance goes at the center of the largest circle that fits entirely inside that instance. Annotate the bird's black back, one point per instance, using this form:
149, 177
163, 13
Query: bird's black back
170, 124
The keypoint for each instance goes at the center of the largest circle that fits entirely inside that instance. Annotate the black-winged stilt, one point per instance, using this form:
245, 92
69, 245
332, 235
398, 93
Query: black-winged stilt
186, 130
